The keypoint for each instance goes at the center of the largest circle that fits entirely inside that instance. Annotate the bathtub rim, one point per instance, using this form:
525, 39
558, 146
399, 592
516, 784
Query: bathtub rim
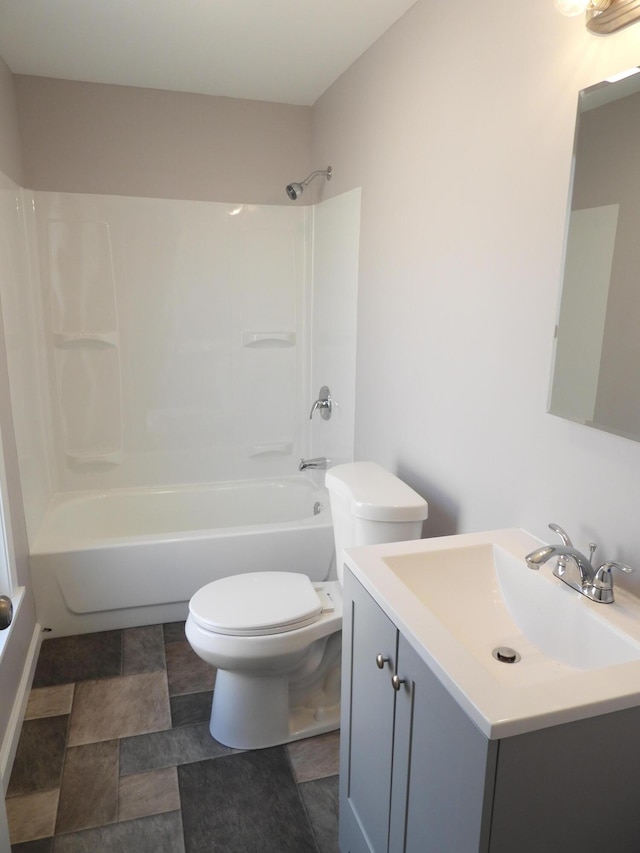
61, 545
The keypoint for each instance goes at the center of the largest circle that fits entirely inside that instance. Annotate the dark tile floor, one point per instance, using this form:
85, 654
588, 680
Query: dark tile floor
115, 755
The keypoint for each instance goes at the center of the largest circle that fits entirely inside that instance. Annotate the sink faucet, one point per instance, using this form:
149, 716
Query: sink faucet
318, 462
576, 570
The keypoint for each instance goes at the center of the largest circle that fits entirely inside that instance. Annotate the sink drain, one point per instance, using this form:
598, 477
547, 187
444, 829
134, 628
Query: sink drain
505, 654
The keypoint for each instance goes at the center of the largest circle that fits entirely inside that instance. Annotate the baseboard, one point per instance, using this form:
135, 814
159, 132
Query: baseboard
12, 734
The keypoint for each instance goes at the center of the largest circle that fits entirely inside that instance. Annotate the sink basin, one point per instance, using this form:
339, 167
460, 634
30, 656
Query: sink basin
488, 598
458, 598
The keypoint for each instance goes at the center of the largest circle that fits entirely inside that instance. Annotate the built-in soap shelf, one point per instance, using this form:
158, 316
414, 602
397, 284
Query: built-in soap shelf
84, 332
265, 340
90, 340
281, 448
104, 457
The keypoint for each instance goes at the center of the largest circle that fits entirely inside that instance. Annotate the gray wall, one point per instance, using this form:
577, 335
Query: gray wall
92, 138
10, 152
458, 124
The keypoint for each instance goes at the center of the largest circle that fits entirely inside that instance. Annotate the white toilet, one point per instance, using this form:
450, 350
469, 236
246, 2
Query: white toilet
275, 637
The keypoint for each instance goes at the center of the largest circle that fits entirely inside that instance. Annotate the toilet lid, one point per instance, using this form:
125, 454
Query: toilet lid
256, 603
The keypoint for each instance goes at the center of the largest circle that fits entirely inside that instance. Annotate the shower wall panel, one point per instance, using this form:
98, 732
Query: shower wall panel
334, 305
176, 338
25, 357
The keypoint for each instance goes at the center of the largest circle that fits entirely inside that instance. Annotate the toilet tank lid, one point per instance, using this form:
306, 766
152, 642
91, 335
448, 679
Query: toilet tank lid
374, 493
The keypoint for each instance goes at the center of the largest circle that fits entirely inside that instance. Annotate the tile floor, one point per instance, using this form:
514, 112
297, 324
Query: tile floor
115, 755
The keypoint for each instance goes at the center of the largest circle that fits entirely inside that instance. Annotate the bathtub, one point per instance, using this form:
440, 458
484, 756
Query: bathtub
121, 558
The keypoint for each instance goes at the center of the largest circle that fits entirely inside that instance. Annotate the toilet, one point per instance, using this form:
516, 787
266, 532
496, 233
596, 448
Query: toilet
275, 637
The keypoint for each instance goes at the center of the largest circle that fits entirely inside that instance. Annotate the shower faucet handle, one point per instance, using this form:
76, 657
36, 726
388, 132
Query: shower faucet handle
323, 404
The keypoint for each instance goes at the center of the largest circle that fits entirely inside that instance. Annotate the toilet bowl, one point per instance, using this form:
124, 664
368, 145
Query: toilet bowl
275, 637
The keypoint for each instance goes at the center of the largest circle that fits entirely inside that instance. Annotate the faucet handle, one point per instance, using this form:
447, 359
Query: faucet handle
603, 581
562, 534
603, 575
323, 404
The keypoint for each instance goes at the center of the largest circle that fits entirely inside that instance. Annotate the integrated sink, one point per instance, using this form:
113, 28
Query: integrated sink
458, 599
488, 598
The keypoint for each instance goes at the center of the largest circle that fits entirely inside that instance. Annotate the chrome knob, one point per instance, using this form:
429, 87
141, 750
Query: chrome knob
6, 612
396, 681
380, 661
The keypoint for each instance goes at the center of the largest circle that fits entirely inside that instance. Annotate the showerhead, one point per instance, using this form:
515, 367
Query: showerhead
295, 190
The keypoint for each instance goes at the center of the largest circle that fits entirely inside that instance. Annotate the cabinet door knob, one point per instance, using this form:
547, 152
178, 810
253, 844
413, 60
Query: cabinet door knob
381, 660
396, 681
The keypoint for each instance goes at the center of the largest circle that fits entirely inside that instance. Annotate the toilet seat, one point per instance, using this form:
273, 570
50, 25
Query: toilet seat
256, 603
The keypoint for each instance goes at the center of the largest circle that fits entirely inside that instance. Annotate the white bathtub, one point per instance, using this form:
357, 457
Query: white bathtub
122, 558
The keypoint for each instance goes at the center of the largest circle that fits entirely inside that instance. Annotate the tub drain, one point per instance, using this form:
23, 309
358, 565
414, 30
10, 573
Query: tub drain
505, 654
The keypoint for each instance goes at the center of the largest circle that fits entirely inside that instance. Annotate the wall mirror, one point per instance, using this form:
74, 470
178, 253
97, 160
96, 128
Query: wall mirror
596, 373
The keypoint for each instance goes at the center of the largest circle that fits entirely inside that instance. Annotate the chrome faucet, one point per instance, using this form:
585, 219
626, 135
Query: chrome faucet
317, 462
323, 404
576, 570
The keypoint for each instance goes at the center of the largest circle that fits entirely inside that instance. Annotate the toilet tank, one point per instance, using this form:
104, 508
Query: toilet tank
369, 506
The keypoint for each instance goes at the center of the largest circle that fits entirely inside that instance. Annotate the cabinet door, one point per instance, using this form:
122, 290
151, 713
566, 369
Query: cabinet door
368, 702
441, 765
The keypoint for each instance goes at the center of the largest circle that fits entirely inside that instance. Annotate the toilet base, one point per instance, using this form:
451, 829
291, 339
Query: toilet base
253, 713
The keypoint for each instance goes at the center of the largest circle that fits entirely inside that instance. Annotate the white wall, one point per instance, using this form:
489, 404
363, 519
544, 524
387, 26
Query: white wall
336, 232
25, 351
181, 340
458, 125
150, 310
19, 644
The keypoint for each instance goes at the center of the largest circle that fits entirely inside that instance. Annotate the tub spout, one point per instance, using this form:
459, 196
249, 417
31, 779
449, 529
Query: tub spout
317, 462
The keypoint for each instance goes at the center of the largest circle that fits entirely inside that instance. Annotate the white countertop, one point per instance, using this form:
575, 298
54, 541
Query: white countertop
503, 699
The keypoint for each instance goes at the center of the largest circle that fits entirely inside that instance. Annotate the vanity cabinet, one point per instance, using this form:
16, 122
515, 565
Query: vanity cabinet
411, 761
418, 776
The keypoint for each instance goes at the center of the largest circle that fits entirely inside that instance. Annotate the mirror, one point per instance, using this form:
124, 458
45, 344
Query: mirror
596, 374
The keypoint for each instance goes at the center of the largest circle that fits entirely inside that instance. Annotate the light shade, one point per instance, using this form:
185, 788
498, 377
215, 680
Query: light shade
571, 8
602, 16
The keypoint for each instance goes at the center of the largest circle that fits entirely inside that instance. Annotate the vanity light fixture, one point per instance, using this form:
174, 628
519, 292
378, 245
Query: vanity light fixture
603, 16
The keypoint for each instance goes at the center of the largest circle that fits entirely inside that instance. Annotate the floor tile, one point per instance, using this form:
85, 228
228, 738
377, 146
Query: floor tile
42, 845
191, 708
321, 801
89, 791
49, 702
186, 672
137, 703
143, 649
119, 707
39, 756
244, 802
315, 757
143, 794
32, 816
66, 659
168, 749
155, 834
173, 632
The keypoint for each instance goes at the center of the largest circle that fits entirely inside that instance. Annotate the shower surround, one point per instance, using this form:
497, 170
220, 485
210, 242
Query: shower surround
178, 343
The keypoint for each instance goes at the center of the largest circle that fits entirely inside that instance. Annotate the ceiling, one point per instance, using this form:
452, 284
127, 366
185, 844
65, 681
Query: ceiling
289, 51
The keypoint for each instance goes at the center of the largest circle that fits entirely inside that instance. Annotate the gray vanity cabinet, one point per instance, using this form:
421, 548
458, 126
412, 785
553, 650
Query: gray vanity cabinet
413, 767
417, 776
